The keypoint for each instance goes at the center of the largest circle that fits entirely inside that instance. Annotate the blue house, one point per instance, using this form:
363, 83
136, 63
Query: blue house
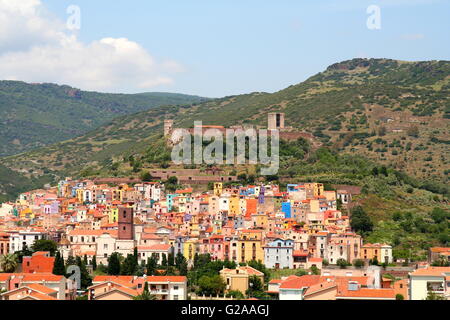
286, 208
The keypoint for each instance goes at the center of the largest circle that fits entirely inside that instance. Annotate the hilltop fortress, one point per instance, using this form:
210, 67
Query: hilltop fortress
275, 121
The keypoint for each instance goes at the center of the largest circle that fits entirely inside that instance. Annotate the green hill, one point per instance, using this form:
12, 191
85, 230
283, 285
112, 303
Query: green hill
35, 115
392, 112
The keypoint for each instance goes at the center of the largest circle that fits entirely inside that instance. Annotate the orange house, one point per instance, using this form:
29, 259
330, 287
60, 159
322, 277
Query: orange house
39, 262
251, 207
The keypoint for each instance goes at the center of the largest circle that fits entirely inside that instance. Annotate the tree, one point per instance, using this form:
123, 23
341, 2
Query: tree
94, 263
9, 262
152, 263
58, 266
255, 287
145, 295
164, 260
114, 264
171, 259
342, 263
86, 279
399, 296
236, 294
129, 266
441, 262
146, 177
374, 261
45, 245
258, 265
358, 263
434, 296
172, 180
375, 171
211, 285
179, 259
413, 131
70, 261
360, 221
85, 259
183, 269
136, 255
315, 270
301, 272
25, 252
439, 215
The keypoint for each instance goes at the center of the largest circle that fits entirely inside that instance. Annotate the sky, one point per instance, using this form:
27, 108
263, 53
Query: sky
212, 48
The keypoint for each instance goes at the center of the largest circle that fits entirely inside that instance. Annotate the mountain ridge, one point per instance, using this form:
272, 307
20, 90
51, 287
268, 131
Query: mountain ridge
381, 109
35, 115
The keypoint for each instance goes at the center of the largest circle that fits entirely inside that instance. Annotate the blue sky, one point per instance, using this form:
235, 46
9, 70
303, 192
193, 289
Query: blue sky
232, 47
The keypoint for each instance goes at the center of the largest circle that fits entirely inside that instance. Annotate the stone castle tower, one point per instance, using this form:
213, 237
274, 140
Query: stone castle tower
275, 121
125, 223
168, 127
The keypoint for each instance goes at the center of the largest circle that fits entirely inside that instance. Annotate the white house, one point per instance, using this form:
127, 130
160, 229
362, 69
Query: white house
431, 279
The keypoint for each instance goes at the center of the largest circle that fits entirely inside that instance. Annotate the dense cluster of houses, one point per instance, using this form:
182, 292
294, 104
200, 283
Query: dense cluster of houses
299, 228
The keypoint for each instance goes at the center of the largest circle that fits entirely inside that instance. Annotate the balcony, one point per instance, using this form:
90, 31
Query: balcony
159, 291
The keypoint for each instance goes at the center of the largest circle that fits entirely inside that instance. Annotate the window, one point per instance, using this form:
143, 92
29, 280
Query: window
175, 297
175, 287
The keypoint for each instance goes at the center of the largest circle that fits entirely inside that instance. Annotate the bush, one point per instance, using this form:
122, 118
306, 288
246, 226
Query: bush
358, 263
342, 263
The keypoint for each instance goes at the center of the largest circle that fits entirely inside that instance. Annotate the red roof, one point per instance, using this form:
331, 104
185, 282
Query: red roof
300, 282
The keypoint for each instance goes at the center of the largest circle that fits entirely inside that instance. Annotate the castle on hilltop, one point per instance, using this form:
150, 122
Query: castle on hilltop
275, 121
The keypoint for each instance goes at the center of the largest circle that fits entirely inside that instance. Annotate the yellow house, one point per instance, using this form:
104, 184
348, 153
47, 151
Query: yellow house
314, 205
234, 207
242, 206
190, 248
318, 189
113, 214
260, 220
80, 195
249, 246
382, 252
118, 193
182, 201
238, 279
26, 213
218, 187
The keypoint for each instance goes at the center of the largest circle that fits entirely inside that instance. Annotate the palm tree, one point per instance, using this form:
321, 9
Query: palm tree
8, 262
145, 295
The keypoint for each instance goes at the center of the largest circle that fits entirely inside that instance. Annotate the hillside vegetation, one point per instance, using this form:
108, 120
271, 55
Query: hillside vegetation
391, 112
35, 115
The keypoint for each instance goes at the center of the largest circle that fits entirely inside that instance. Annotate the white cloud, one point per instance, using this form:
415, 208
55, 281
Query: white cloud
35, 47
